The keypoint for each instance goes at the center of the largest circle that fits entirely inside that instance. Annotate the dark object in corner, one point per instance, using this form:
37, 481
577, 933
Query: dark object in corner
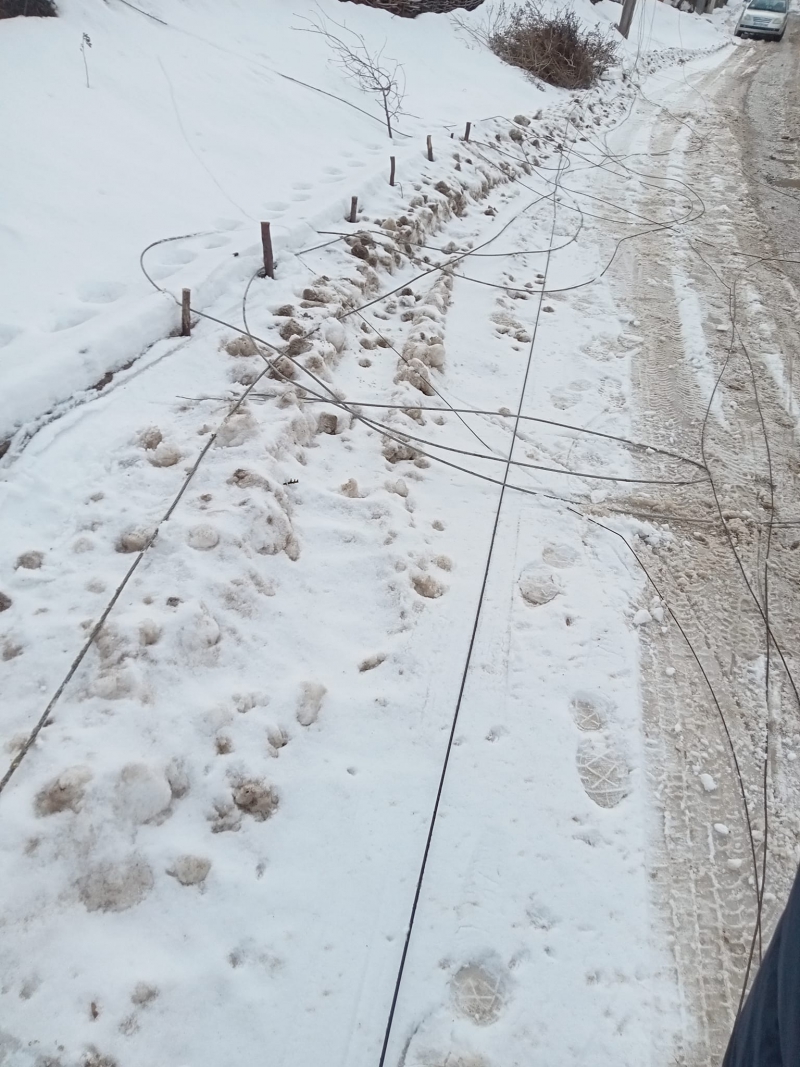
411, 8
10, 9
767, 1032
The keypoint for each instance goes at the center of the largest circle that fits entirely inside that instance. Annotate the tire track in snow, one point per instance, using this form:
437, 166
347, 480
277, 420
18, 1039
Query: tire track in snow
705, 872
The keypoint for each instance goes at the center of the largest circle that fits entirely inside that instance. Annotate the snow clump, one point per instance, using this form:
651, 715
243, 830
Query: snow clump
110, 886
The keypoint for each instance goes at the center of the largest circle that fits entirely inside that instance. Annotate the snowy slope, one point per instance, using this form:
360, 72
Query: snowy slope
214, 843
191, 127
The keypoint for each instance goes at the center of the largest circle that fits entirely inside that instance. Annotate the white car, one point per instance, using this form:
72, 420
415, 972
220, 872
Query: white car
763, 18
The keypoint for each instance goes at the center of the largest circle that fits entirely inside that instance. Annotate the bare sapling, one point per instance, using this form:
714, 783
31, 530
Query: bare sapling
369, 69
86, 42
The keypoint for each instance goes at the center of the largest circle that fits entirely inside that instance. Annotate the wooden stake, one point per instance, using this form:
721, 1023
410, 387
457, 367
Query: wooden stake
186, 322
466, 132
353, 209
391, 170
628, 8
430, 149
266, 244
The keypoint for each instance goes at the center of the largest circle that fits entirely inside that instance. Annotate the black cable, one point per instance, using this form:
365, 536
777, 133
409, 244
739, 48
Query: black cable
407, 361
44, 718
690, 216
533, 418
763, 611
464, 675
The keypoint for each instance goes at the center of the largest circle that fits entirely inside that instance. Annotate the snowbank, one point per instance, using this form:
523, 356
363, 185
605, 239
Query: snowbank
206, 118
214, 843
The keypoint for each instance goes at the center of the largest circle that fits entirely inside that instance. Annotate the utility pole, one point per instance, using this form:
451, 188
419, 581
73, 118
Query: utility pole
628, 8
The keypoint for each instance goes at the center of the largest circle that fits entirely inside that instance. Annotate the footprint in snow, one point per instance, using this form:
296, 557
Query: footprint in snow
227, 224
29, 561
115, 886
63, 793
478, 993
371, 662
538, 585
540, 916
173, 254
563, 399
100, 292
603, 772
561, 556
68, 319
589, 712
161, 271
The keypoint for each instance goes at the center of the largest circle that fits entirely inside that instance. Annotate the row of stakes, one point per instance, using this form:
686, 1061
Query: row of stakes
266, 240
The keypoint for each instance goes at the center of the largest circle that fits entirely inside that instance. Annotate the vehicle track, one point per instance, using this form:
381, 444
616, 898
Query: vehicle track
706, 878
719, 905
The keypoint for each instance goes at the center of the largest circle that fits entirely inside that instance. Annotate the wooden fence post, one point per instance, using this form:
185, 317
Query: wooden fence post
266, 244
186, 321
466, 132
391, 170
353, 209
430, 149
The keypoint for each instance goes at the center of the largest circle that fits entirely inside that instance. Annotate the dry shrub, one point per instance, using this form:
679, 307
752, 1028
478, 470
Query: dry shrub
554, 47
9, 9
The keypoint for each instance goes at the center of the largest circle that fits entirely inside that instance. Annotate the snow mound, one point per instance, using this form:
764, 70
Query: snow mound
116, 885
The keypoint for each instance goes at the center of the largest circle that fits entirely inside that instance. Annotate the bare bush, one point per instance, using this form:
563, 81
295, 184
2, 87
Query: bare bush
369, 70
554, 47
10, 9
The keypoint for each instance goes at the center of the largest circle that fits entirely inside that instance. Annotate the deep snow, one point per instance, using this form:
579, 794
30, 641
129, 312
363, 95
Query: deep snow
214, 844
191, 127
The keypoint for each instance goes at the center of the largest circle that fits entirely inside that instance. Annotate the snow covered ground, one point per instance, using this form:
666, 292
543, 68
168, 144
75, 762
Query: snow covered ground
214, 843
195, 126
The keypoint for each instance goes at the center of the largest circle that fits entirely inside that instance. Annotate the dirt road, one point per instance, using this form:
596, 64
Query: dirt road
768, 101
713, 344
